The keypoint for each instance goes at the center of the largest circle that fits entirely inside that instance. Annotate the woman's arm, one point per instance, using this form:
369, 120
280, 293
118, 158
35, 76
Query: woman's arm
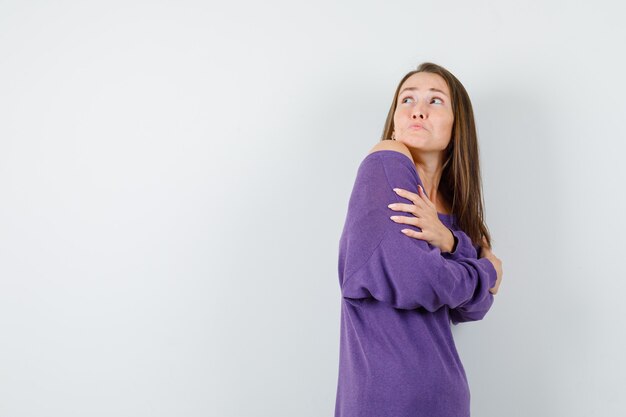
462, 248
378, 261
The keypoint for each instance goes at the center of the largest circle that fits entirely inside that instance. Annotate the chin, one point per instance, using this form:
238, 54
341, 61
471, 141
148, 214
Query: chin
413, 143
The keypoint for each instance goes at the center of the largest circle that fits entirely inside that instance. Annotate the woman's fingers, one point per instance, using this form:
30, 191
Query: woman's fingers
419, 200
409, 208
406, 194
424, 197
412, 220
413, 233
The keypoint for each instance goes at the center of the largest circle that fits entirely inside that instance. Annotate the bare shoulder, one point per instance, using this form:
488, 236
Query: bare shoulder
392, 145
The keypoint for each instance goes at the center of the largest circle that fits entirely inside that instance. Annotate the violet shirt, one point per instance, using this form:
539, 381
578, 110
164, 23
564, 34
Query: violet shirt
400, 295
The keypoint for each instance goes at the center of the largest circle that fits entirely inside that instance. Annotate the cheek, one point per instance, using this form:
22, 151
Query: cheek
396, 117
400, 112
447, 121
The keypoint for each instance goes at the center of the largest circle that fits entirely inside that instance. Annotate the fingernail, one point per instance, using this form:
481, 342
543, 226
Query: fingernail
396, 190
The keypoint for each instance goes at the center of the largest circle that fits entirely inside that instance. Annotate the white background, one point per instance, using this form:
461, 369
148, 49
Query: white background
174, 178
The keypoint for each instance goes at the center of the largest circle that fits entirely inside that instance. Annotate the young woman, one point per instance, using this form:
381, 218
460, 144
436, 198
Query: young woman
405, 278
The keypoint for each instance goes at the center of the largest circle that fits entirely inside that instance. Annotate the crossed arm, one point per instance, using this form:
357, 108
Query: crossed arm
378, 261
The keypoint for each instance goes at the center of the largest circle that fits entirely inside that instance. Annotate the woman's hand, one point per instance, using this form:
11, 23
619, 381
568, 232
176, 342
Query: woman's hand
425, 217
486, 252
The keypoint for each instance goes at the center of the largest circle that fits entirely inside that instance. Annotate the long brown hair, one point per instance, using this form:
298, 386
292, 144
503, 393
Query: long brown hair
461, 182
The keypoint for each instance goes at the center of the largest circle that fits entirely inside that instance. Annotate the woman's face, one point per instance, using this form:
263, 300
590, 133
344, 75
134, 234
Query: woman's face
419, 103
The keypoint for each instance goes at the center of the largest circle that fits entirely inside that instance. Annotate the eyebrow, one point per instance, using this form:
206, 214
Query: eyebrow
415, 88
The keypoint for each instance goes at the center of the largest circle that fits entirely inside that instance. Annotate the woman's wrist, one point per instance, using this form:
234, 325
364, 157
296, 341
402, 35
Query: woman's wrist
451, 242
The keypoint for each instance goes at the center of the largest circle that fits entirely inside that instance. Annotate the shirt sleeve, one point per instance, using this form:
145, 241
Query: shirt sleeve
464, 247
378, 261
476, 309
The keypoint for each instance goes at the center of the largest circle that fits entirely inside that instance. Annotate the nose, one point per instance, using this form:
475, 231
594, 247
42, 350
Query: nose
418, 111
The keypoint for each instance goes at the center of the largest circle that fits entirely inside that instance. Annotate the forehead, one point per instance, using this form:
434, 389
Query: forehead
424, 81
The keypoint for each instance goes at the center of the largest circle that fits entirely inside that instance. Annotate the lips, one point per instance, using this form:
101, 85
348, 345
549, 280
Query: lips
416, 126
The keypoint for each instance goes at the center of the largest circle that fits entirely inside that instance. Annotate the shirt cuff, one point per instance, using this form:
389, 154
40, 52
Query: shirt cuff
463, 247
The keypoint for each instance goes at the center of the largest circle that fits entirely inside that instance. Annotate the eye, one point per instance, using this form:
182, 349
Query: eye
437, 98
402, 101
